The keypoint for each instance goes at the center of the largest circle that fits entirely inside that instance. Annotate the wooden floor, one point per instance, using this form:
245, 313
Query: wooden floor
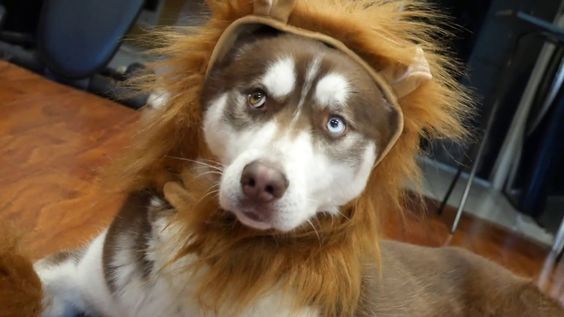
54, 139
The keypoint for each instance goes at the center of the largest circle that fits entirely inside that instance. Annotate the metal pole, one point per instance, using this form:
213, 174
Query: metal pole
558, 245
475, 164
497, 101
450, 189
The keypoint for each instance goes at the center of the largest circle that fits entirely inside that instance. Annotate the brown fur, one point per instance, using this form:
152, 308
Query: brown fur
131, 222
326, 266
367, 109
428, 282
376, 30
20, 287
324, 272
322, 267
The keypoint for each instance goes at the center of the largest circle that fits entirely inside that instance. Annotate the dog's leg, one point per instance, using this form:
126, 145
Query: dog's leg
112, 276
73, 282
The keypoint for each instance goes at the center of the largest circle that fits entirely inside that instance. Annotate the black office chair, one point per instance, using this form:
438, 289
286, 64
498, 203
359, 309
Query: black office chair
75, 41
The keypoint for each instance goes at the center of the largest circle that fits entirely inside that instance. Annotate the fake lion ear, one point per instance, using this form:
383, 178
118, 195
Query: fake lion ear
276, 9
175, 194
405, 79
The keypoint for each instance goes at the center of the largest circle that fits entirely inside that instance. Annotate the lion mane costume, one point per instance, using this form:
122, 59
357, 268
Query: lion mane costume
397, 41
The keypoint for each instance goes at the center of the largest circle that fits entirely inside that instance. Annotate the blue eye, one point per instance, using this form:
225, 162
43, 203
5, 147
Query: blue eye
336, 126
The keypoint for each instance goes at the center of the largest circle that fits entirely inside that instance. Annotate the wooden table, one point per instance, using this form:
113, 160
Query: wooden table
53, 140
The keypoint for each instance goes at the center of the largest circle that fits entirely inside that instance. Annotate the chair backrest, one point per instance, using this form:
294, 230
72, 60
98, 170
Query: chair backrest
77, 38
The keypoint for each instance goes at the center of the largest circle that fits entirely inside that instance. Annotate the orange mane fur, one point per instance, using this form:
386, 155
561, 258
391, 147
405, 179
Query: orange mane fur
322, 266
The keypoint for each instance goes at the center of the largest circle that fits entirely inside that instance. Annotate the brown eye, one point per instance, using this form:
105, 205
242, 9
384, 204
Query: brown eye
256, 99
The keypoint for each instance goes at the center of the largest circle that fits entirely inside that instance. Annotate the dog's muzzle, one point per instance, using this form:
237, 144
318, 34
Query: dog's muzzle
262, 184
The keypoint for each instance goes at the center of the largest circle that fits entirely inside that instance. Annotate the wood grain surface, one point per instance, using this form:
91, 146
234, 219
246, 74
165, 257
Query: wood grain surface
54, 140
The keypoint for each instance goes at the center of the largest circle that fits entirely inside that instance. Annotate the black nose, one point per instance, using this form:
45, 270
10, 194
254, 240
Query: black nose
263, 182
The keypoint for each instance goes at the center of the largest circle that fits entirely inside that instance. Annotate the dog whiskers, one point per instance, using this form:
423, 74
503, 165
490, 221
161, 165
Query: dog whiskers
214, 189
208, 173
212, 162
343, 215
336, 209
215, 166
315, 230
208, 194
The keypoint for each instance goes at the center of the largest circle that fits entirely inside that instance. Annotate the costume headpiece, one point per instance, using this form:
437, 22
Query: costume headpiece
394, 82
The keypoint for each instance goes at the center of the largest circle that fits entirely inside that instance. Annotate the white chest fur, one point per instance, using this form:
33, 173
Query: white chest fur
79, 285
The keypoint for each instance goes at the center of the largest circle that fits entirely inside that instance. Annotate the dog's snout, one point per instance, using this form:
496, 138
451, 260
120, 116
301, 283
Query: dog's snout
263, 182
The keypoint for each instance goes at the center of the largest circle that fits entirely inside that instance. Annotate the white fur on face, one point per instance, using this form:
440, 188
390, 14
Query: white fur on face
214, 129
312, 70
280, 78
320, 178
332, 90
317, 182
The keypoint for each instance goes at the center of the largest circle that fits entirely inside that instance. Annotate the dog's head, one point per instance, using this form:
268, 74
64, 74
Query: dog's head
297, 122
300, 128
297, 126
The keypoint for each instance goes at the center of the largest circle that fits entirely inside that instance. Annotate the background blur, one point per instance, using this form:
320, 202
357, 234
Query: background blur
511, 49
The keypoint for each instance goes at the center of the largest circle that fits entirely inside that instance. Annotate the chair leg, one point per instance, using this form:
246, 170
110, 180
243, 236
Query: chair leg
479, 154
473, 170
450, 189
503, 87
464, 197
558, 245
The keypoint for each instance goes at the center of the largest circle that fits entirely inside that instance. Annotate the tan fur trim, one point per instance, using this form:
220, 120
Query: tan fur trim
277, 9
248, 23
404, 79
322, 268
379, 33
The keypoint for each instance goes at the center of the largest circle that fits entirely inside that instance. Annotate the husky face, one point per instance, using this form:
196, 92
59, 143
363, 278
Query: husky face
297, 127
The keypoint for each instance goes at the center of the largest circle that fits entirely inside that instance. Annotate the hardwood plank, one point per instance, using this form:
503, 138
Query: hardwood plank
53, 140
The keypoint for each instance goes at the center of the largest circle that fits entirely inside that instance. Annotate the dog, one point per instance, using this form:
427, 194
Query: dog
257, 190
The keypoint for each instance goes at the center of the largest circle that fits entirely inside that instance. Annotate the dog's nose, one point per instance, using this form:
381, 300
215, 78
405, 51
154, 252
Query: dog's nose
263, 182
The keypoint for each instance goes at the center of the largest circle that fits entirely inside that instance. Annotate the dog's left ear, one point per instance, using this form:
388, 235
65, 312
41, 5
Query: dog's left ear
404, 79
276, 9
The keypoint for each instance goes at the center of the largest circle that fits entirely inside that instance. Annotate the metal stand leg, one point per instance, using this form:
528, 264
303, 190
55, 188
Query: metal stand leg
475, 165
550, 32
495, 106
558, 246
450, 189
